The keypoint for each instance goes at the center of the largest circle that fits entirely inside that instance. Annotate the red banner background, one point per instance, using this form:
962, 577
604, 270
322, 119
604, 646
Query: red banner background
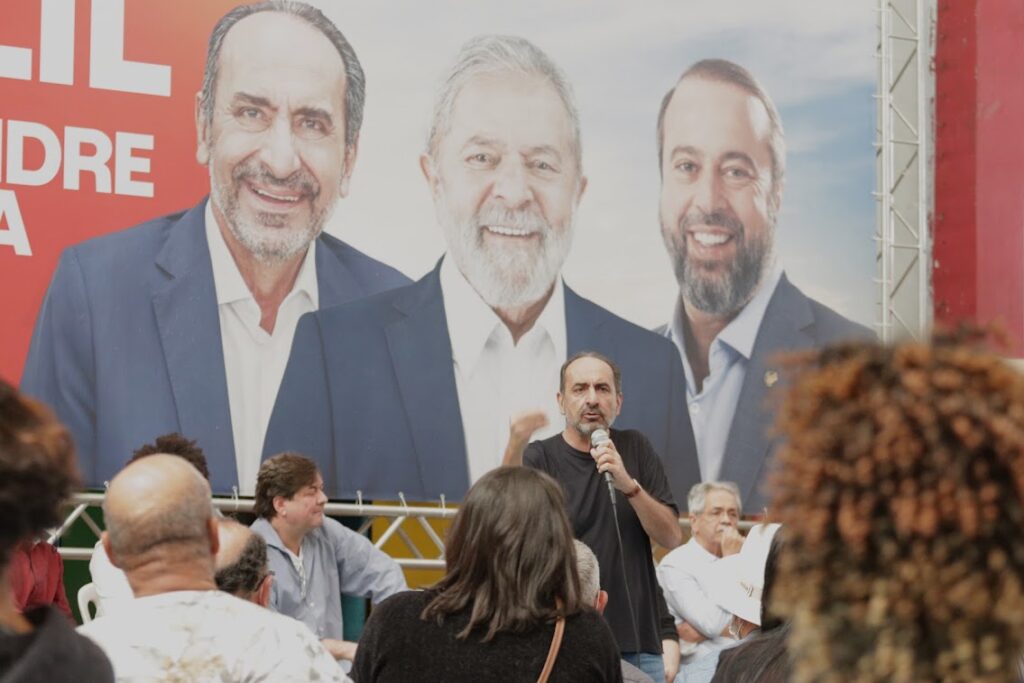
155, 31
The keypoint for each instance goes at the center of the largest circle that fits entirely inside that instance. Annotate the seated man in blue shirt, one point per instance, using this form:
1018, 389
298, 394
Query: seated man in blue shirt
314, 558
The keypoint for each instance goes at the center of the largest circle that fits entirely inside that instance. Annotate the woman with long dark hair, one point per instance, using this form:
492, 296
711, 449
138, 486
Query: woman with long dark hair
510, 592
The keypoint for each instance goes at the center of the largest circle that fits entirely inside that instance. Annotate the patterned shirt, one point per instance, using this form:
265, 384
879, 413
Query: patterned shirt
209, 636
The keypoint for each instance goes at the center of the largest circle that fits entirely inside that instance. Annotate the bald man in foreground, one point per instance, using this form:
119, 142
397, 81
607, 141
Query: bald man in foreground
161, 532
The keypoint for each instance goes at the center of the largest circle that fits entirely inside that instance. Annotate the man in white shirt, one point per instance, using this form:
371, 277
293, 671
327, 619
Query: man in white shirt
184, 323
684, 574
162, 533
423, 382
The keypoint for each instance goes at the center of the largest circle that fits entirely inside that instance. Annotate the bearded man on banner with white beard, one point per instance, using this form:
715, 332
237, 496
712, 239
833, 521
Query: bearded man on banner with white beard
419, 390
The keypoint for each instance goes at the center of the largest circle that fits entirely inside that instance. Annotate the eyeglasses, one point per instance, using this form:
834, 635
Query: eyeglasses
731, 513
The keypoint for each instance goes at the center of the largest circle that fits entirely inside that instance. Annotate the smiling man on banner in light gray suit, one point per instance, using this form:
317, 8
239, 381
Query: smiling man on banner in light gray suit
413, 390
722, 158
184, 323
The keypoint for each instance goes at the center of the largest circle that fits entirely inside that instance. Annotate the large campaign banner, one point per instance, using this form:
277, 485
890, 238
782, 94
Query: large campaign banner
96, 133
499, 186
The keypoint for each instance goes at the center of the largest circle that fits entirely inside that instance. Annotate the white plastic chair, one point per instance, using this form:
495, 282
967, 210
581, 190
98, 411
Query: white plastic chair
87, 597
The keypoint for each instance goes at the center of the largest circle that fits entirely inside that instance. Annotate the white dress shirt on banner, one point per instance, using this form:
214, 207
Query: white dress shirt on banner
254, 360
495, 378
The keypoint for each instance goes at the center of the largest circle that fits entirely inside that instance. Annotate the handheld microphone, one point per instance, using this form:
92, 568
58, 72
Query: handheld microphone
598, 437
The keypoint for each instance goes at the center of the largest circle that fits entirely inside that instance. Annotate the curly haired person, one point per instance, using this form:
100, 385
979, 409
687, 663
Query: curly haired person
902, 487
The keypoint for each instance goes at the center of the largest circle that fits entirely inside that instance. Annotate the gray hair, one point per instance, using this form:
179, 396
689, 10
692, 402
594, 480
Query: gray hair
724, 71
589, 571
137, 533
696, 501
355, 80
246, 572
492, 54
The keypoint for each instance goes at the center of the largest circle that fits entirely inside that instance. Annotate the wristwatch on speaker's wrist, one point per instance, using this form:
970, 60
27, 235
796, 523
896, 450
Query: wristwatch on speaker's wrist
634, 492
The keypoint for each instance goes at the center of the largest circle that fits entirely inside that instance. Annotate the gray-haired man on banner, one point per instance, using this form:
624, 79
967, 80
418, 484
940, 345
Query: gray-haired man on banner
184, 323
412, 391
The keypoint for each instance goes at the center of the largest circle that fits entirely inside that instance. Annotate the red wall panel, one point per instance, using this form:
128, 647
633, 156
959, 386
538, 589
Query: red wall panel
979, 176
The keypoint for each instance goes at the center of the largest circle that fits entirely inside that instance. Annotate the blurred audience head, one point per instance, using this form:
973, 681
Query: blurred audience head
770, 619
175, 444
37, 469
762, 657
241, 563
901, 484
509, 555
590, 577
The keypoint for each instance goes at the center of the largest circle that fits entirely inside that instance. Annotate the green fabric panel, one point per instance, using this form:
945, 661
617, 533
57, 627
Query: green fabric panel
353, 610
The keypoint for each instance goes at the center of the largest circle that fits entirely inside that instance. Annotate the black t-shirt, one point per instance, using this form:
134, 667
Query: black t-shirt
590, 512
398, 646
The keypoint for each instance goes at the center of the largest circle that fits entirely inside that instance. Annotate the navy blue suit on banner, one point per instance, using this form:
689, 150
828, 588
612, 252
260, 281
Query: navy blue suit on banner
792, 322
127, 344
370, 393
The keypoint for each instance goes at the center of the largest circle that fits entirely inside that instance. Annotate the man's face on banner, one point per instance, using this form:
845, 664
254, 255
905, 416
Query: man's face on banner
715, 193
506, 185
276, 146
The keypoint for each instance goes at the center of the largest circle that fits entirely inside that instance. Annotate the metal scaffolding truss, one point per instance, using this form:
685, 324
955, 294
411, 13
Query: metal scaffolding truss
904, 162
412, 534
417, 527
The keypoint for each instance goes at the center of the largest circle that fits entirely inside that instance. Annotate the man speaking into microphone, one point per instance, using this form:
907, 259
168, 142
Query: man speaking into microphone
584, 458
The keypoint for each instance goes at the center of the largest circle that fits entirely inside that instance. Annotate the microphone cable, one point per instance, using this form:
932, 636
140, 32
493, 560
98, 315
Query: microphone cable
625, 580
597, 437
